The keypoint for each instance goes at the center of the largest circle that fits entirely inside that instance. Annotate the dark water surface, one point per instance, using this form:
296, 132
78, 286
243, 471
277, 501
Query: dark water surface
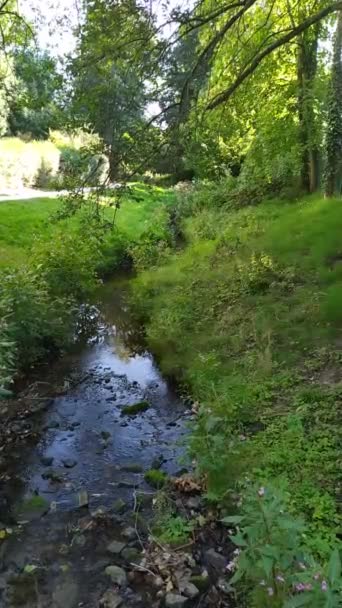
90, 452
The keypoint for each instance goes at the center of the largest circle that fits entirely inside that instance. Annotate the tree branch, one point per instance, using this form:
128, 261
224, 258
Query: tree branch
225, 95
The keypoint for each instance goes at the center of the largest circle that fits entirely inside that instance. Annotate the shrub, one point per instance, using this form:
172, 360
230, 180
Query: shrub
67, 264
272, 559
37, 322
154, 244
23, 164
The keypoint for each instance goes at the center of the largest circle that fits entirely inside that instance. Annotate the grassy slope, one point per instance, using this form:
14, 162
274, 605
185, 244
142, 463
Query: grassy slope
250, 316
22, 221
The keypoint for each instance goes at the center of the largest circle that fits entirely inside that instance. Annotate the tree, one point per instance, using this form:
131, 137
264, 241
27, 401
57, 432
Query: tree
35, 106
238, 41
333, 171
110, 74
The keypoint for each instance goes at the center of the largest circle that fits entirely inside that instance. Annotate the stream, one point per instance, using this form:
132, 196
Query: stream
85, 476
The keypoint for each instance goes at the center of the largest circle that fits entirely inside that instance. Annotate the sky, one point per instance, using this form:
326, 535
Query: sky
58, 18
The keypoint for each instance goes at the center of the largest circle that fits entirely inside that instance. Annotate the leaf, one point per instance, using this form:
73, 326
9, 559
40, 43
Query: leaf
237, 577
304, 599
239, 540
334, 567
30, 568
233, 519
267, 564
2, 534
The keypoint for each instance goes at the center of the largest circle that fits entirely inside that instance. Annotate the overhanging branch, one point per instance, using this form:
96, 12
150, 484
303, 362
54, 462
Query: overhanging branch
248, 71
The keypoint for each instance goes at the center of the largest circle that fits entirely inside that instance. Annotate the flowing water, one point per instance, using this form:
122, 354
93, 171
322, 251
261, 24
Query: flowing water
86, 474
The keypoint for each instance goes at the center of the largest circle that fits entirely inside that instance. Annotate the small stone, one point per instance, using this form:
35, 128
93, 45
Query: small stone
129, 533
172, 600
46, 461
80, 540
53, 424
194, 503
69, 463
105, 435
132, 467
119, 506
117, 575
188, 589
158, 582
111, 600
83, 498
66, 595
116, 547
201, 581
131, 555
53, 475
215, 560
157, 462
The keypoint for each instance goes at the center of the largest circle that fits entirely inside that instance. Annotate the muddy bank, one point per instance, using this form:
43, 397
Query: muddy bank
76, 508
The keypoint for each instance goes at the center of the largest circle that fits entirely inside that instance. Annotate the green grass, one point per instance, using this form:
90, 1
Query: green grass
22, 221
249, 317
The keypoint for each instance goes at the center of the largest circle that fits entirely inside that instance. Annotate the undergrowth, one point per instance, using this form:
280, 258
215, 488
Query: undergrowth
49, 266
248, 317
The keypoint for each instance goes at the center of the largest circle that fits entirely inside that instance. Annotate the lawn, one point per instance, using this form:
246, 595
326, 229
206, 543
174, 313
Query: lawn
22, 221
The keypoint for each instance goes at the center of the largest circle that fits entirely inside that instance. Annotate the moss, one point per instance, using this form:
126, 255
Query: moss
34, 503
156, 478
201, 582
137, 408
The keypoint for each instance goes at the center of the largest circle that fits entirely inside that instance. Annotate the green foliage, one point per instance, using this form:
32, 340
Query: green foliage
244, 316
65, 268
154, 243
272, 558
156, 478
24, 164
34, 108
175, 529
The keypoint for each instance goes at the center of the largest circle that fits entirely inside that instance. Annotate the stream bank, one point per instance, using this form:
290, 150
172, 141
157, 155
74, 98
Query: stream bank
71, 534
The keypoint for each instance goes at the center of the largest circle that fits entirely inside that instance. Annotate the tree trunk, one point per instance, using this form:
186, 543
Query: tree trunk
333, 169
306, 72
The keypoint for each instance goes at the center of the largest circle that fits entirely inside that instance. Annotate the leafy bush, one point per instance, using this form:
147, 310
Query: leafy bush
67, 264
272, 559
154, 244
38, 323
39, 302
23, 164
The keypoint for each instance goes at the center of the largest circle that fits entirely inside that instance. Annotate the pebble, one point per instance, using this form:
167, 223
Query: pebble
188, 589
111, 600
129, 533
116, 547
117, 575
172, 600
69, 463
46, 461
215, 560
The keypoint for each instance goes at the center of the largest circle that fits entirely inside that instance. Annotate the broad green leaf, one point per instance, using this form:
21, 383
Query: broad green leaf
267, 564
233, 519
334, 567
30, 568
239, 540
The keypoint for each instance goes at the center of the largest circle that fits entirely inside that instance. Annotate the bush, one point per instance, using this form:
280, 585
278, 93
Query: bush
68, 264
37, 323
272, 560
23, 164
154, 244
40, 302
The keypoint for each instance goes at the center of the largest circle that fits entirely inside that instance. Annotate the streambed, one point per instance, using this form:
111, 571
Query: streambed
82, 480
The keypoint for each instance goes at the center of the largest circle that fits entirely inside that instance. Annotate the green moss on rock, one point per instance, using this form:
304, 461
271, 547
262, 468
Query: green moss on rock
136, 408
156, 478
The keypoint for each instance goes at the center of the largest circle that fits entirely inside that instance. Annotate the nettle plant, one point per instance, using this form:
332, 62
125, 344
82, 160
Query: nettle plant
271, 558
